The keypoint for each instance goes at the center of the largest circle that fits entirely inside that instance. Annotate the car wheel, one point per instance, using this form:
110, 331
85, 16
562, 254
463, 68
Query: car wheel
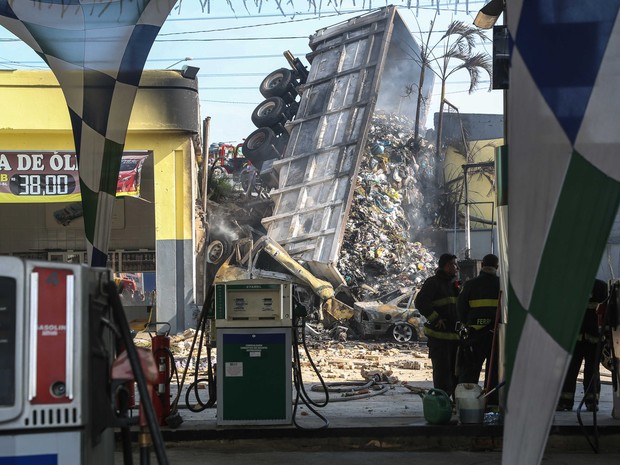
277, 84
402, 332
270, 113
216, 252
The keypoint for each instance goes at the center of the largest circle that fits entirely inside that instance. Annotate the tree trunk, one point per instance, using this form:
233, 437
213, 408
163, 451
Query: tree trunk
439, 166
416, 129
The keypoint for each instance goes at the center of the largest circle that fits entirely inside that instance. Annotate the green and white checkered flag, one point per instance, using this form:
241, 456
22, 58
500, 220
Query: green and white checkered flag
97, 50
564, 191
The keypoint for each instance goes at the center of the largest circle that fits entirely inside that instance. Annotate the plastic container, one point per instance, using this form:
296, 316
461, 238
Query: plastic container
437, 407
469, 403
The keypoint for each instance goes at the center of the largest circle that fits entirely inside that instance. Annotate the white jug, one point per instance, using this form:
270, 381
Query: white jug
469, 403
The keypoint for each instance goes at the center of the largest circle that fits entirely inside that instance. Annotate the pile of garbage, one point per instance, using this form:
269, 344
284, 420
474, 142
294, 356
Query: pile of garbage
392, 206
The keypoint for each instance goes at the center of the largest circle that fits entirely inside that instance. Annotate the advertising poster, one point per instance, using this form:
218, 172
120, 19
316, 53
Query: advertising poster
46, 177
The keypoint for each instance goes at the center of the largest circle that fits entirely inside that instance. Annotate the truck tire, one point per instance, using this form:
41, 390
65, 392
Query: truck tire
279, 83
219, 172
270, 112
263, 144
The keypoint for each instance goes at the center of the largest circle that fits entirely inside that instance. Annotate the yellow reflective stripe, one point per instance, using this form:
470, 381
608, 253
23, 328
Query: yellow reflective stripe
433, 316
592, 305
477, 303
444, 301
440, 334
477, 327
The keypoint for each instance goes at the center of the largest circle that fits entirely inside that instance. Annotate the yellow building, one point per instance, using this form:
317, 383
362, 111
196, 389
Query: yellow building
151, 241
469, 173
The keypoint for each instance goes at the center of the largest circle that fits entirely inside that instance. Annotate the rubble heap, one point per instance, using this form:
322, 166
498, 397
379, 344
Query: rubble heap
390, 208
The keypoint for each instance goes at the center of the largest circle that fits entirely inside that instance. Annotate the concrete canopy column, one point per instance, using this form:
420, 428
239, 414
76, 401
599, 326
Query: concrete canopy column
174, 207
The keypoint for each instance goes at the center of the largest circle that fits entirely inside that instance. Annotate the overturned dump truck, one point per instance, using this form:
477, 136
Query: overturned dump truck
310, 152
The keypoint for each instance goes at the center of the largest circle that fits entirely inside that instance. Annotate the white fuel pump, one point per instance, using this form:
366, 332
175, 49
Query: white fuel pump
54, 360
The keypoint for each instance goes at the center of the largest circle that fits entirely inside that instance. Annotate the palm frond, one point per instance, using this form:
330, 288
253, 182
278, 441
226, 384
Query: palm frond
465, 35
474, 65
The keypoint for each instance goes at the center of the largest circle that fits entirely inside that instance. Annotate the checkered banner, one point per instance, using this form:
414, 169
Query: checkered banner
97, 50
564, 191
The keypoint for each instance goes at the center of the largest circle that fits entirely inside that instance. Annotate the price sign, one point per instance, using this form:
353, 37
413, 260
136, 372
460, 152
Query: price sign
34, 177
42, 184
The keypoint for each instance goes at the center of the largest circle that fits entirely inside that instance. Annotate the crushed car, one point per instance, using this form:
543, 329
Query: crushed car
391, 315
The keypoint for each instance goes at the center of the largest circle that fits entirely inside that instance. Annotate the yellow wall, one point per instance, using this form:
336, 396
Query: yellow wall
35, 117
165, 121
481, 184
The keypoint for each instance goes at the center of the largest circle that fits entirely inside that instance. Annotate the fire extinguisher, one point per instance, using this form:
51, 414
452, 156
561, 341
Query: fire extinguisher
160, 346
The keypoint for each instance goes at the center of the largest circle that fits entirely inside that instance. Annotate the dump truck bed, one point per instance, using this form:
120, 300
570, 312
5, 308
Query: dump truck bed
356, 66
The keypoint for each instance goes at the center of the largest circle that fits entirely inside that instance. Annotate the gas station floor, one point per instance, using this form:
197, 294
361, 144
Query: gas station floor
387, 423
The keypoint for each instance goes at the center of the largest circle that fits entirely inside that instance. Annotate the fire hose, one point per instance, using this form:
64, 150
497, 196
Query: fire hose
352, 390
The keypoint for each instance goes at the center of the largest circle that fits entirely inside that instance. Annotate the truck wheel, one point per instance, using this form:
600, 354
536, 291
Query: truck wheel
270, 113
277, 84
262, 145
219, 172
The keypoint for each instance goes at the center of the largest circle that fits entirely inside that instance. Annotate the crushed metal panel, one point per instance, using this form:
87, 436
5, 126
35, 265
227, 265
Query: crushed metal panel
318, 172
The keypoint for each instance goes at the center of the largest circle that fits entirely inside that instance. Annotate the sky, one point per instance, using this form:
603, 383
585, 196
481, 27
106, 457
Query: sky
236, 47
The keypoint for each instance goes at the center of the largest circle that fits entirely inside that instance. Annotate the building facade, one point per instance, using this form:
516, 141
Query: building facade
152, 237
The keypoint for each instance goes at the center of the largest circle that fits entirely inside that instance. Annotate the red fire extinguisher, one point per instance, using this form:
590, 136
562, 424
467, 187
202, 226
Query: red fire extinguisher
160, 346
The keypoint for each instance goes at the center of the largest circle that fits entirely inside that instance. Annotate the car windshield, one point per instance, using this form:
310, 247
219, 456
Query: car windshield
391, 295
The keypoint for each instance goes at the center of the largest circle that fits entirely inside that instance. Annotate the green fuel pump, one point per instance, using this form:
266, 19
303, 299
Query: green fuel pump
254, 355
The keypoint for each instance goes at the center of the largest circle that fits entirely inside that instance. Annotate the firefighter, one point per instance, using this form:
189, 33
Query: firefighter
587, 350
436, 300
477, 308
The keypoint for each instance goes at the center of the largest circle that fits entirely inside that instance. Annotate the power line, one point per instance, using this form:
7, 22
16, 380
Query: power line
433, 6
234, 39
229, 102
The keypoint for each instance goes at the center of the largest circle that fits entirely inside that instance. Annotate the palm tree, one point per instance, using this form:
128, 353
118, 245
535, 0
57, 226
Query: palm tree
461, 49
457, 43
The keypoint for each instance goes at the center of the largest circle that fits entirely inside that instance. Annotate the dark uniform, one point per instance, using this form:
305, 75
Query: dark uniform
477, 309
436, 300
587, 350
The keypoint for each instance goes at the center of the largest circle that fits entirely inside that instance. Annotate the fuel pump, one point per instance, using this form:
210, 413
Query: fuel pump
56, 349
254, 352
61, 327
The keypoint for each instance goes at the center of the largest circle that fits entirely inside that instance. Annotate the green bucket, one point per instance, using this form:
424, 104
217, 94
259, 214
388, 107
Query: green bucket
437, 407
